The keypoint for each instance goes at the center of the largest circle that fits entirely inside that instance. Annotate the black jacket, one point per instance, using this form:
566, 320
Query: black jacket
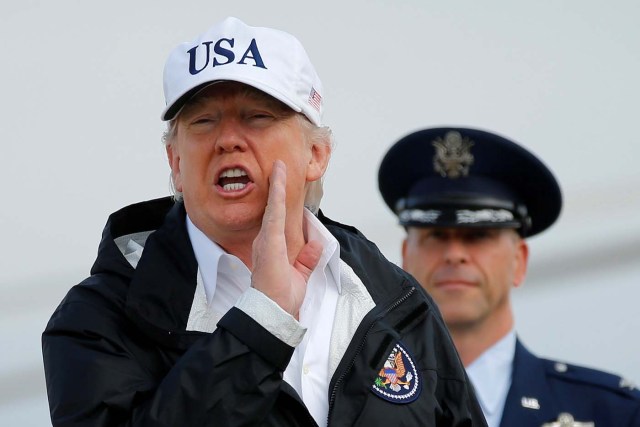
117, 353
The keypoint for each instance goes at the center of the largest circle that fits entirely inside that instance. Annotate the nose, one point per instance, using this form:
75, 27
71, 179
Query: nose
229, 137
455, 252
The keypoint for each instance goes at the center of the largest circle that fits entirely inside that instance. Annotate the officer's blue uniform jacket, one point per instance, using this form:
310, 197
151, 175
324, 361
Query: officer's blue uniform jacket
543, 389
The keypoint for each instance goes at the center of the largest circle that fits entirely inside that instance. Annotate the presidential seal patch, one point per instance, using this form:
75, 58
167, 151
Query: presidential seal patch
398, 380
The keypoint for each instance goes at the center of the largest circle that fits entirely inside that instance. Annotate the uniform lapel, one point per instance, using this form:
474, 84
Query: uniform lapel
529, 401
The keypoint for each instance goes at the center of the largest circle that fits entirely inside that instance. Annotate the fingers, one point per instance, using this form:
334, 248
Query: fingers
275, 212
308, 259
270, 242
272, 273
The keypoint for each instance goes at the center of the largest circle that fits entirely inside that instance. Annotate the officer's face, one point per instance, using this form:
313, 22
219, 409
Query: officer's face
221, 156
469, 272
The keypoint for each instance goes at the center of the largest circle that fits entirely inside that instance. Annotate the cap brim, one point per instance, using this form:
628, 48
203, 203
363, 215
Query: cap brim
170, 112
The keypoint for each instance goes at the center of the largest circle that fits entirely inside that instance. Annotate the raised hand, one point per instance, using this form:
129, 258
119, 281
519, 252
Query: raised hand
273, 274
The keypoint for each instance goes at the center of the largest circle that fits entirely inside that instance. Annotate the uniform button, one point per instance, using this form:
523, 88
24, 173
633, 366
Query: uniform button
305, 370
561, 367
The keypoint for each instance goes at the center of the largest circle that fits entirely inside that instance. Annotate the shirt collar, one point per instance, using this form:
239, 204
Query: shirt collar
315, 230
208, 255
207, 250
490, 374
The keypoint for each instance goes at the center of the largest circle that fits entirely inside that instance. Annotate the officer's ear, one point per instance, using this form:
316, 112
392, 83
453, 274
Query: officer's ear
521, 260
404, 253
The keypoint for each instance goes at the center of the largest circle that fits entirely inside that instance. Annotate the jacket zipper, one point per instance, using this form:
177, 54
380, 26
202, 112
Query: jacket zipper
334, 391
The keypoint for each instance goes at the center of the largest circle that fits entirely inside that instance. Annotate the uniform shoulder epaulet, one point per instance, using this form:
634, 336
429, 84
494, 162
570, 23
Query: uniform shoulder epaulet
592, 377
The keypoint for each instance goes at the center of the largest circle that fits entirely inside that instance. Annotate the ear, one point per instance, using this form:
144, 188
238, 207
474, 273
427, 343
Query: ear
521, 259
404, 253
173, 156
318, 162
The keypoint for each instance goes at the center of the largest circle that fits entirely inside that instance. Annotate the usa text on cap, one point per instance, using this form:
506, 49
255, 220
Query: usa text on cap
270, 60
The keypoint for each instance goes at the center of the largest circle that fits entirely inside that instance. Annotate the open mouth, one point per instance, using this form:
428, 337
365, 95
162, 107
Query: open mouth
234, 179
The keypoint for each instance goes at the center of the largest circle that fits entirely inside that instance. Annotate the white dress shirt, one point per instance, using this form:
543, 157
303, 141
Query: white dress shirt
491, 374
224, 281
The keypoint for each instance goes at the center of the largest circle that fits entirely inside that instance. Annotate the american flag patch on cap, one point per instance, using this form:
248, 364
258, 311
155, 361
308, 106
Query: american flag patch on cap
315, 99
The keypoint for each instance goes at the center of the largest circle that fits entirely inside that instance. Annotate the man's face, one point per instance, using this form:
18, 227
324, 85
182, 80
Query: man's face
226, 141
468, 272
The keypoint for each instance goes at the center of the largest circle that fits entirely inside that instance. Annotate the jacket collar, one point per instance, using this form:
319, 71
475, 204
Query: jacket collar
368, 263
140, 217
164, 282
162, 286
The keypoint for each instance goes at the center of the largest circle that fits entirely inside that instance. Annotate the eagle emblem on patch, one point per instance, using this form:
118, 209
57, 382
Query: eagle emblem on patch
398, 380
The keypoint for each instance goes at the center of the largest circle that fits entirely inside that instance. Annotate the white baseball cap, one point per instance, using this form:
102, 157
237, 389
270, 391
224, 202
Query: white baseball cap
269, 60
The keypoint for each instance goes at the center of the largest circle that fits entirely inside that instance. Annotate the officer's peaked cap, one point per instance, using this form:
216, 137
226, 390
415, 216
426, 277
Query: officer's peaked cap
460, 177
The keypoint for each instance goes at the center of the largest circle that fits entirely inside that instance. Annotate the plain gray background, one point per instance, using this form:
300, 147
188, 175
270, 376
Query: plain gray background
81, 95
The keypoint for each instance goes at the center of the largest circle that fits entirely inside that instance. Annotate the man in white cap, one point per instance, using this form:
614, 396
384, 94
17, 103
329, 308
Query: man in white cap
237, 302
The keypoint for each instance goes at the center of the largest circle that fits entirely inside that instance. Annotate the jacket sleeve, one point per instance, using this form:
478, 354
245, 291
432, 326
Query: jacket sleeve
101, 372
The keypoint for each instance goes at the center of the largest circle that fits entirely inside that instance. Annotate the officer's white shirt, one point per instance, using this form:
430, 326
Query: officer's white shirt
491, 374
224, 281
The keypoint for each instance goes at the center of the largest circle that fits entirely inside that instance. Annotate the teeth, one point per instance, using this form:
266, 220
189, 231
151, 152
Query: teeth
233, 173
234, 187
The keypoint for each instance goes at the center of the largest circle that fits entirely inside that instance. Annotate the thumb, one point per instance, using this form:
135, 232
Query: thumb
308, 258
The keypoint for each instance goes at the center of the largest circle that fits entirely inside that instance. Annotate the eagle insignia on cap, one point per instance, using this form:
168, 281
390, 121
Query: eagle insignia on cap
398, 380
453, 155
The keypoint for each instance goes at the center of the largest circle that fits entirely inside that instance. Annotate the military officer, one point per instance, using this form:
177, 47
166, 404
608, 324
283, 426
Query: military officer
468, 199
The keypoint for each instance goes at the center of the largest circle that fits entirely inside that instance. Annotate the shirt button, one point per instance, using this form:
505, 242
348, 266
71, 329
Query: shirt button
305, 369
